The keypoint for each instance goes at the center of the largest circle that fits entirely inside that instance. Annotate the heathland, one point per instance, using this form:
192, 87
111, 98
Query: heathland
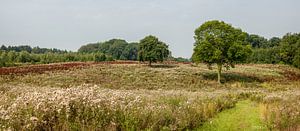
133, 96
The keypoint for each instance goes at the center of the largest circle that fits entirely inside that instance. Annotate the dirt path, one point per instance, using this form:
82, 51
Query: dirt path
244, 117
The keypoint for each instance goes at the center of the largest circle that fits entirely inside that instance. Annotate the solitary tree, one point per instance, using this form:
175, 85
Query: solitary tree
152, 50
220, 43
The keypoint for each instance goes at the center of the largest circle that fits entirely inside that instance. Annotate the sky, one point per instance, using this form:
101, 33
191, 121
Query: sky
68, 24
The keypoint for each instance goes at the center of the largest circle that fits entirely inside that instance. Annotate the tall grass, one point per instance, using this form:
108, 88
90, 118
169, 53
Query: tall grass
94, 108
136, 97
281, 110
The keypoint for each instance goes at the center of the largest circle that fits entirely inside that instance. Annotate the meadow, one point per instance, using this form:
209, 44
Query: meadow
135, 96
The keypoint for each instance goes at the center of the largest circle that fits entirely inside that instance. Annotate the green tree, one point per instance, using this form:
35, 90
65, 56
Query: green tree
289, 47
89, 48
152, 50
220, 43
265, 55
3, 58
3, 47
23, 57
130, 52
99, 57
109, 58
274, 41
46, 58
34, 58
12, 56
181, 59
257, 41
296, 60
117, 47
69, 57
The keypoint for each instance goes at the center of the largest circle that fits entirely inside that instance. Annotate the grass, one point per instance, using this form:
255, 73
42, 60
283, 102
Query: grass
95, 107
138, 97
138, 76
244, 116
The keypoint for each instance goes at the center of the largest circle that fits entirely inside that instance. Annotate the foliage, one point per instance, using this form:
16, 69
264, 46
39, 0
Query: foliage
152, 50
220, 43
130, 52
296, 60
257, 41
2, 59
289, 48
29, 49
274, 42
284, 51
100, 57
12, 58
24, 57
265, 55
117, 48
181, 59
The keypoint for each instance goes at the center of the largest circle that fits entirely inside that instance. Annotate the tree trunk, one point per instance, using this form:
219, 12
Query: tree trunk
219, 73
150, 63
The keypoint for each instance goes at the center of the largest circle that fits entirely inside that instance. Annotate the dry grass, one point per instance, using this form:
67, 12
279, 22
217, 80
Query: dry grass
29, 108
137, 97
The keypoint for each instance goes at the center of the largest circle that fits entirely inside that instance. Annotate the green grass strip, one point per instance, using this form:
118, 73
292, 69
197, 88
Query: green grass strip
244, 117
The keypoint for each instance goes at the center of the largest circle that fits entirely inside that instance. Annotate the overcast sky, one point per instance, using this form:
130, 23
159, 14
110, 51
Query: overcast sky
68, 24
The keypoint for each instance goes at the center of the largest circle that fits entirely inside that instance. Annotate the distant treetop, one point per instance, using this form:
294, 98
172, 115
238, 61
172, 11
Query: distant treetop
117, 48
29, 49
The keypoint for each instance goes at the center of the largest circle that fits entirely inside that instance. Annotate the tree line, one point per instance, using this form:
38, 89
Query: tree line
285, 50
13, 58
148, 49
117, 48
29, 49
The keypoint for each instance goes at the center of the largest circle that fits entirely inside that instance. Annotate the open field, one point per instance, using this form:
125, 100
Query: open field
132, 96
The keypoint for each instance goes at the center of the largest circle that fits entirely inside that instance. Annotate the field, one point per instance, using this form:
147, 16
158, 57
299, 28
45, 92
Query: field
133, 96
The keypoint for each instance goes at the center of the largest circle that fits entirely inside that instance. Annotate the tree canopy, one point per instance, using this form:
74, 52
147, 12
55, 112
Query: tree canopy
290, 49
29, 49
219, 43
216, 42
117, 48
257, 41
152, 49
